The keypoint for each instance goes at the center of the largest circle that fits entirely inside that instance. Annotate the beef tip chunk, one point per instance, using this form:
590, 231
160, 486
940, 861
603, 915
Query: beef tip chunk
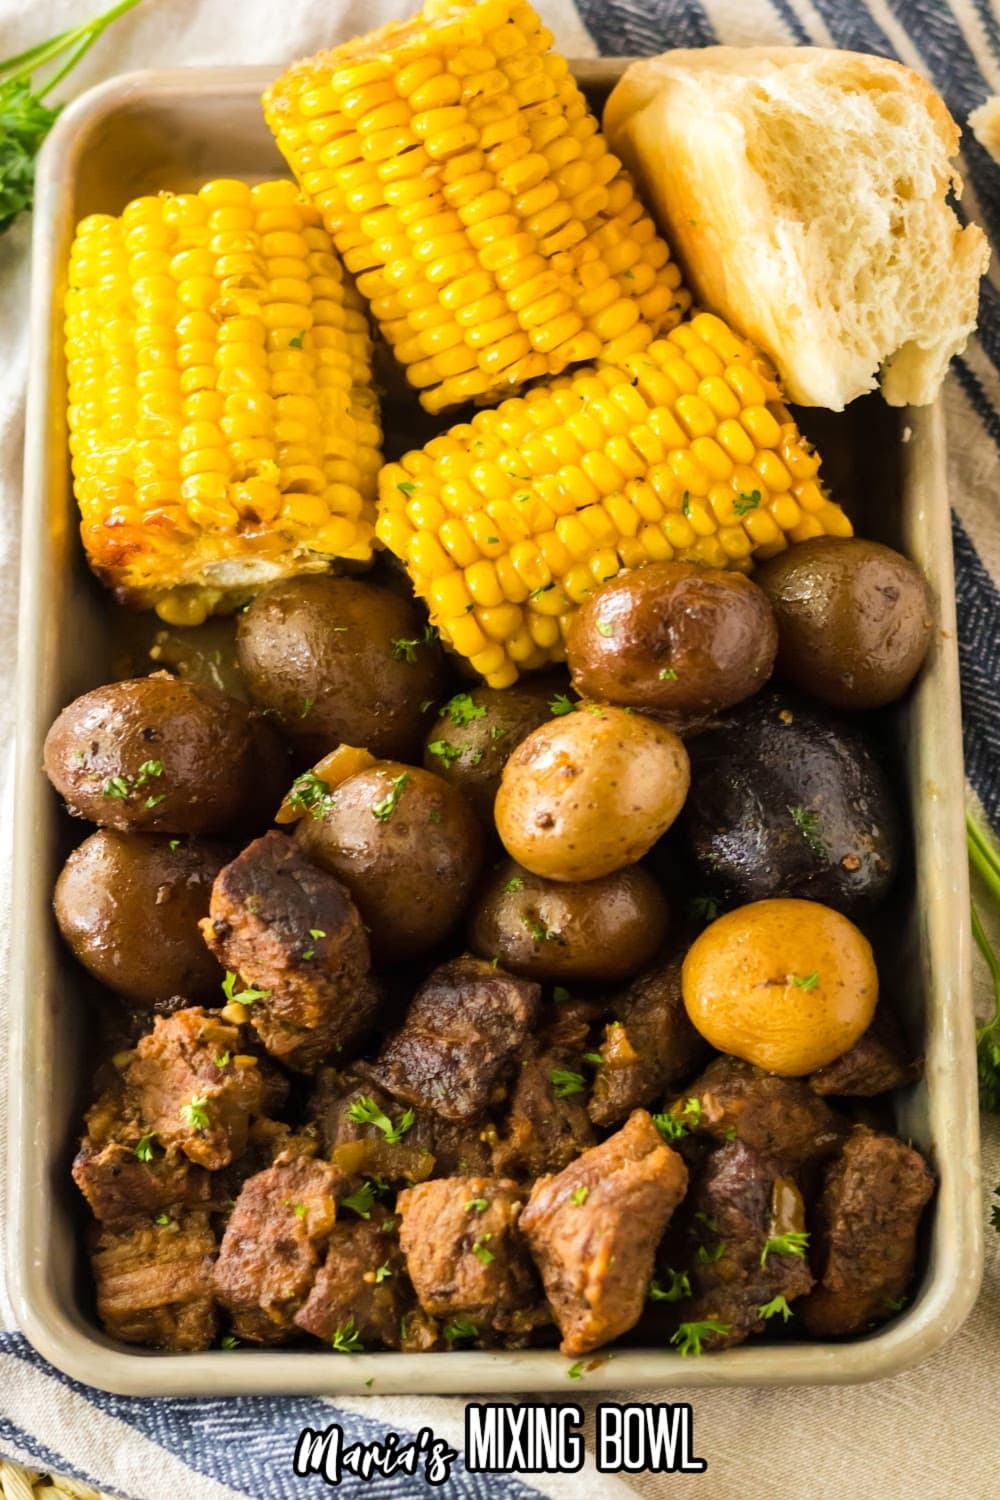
154, 1281
365, 1130
464, 1028
362, 1287
545, 1127
273, 1244
466, 1256
197, 1089
741, 1212
866, 1233
781, 1118
879, 1061
648, 1048
124, 1174
290, 930
593, 1231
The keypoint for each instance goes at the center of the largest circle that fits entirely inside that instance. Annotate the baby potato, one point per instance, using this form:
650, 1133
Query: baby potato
337, 659
786, 984
589, 792
129, 906
407, 846
158, 755
674, 638
595, 931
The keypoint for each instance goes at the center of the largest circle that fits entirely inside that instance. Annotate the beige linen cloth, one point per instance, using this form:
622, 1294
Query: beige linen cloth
929, 1433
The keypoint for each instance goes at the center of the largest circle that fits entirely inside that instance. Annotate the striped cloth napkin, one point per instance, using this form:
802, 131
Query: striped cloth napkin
917, 1434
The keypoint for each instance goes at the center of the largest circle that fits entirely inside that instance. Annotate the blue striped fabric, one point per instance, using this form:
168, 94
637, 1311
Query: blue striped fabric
229, 1448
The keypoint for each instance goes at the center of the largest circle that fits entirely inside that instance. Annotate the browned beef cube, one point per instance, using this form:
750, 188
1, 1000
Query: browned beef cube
124, 1175
545, 1127
739, 1212
429, 1146
594, 1229
462, 1032
362, 1286
649, 1047
781, 1118
154, 1282
196, 1089
273, 1245
291, 929
879, 1061
466, 1256
866, 1233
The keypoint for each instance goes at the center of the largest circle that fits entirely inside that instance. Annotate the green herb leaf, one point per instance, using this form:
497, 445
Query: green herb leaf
575, 1372
405, 487
690, 1337
362, 1201
366, 1112
477, 1205
403, 650
229, 1341
174, 844
195, 1114
241, 997
686, 503
463, 709
678, 1287
163, 1220
776, 1308
706, 1257
515, 883
595, 1058
461, 1328
384, 809
669, 1127
481, 1251
446, 751
605, 628
560, 994
703, 908
222, 1060
143, 1147
317, 932
539, 931
579, 1196
117, 787
564, 1082
807, 822
307, 707
668, 675
347, 1340
805, 981
299, 1210
744, 503
792, 1243
560, 705
311, 794
382, 1273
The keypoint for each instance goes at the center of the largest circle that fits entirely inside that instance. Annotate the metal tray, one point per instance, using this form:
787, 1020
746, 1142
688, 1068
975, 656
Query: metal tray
175, 129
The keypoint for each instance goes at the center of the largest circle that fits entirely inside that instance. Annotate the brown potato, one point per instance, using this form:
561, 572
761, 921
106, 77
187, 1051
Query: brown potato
590, 791
155, 755
335, 659
407, 846
595, 931
854, 619
477, 731
673, 638
129, 905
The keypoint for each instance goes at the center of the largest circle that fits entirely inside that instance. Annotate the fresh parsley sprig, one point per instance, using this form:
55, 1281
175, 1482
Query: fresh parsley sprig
365, 1111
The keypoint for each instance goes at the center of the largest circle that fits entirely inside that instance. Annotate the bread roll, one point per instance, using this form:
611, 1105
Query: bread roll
984, 123
805, 193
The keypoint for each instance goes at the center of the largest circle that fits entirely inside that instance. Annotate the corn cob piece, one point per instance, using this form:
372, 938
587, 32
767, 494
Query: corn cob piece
223, 426
684, 450
467, 186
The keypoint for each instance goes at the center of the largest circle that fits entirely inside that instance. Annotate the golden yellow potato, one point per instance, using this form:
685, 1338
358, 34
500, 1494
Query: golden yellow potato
788, 985
590, 791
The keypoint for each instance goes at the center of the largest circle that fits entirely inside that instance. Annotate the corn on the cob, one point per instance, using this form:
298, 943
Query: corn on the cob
684, 450
223, 426
467, 186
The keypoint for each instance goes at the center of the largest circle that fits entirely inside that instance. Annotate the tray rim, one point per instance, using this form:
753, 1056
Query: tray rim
953, 1278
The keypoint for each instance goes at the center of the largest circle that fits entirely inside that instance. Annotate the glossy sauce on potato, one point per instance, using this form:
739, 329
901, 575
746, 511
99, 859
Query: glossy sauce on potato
589, 792
673, 637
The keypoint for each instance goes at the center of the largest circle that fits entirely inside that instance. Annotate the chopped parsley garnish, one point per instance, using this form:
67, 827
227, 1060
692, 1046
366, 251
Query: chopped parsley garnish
462, 709
560, 994
174, 844
492, 541
706, 1257
477, 1205
461, 1328
515, 883
481, 1250
690, 1337
154, 801
384, 809
446, 751
575, 1372
539, 931
595, 1058
143, 1147
148, 770
686, 503
405, 487
366, 1112
579, 1196
805, 981
744, 503
310, 794
807, 822
560, 705
307, 707
403, 650
704, 908
777, 1308
241, 997
605, 628
669, 1127
678, 1287
347, 1340
299, 1210
564, 1082
229, 1341
221, 1060
296, 342
692, 1111
317, 932
668, 675
382, 1273
116, 786
792, 1243
194, 1114
891, 1304
163, 1219
362, 1201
